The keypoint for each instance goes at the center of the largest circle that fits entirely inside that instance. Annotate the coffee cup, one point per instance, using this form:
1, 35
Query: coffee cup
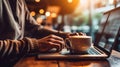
78, 44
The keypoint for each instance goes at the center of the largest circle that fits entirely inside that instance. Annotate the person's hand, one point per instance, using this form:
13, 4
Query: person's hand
76, 34
49, 42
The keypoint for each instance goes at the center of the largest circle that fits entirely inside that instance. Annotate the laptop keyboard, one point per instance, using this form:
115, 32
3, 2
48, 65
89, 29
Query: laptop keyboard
93, 51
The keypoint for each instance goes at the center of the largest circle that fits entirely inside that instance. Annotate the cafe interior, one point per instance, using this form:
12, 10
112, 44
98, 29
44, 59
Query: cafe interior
86, 16
71, 15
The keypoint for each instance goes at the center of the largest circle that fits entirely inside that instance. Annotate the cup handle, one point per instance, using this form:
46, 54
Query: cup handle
68, 43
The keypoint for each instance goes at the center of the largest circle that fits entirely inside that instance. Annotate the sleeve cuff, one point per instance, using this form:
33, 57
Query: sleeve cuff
33, 43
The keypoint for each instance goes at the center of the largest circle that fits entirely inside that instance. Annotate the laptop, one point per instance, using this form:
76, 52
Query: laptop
102, 49
116, 49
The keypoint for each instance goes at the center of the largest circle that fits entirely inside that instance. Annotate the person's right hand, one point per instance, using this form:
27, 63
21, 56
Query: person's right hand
49, 42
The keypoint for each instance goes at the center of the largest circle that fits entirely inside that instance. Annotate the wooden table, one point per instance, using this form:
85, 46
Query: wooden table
32, 62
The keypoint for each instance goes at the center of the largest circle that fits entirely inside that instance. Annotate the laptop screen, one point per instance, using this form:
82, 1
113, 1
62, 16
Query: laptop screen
110, 30
117, 42
103, 22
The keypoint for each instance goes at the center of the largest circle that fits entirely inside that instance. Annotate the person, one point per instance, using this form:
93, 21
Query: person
20, 34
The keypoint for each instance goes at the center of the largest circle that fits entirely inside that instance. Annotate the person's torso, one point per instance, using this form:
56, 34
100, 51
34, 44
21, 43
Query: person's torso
13, 19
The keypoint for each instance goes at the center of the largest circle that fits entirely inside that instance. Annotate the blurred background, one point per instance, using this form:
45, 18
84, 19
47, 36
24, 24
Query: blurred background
71, 15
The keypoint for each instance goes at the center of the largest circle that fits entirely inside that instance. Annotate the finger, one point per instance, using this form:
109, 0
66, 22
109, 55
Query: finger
72, 34
55, 45
83, 34
61, 43
56, 37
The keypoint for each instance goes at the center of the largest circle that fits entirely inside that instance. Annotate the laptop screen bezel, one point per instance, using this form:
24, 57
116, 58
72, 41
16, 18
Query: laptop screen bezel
102, 33
116, 41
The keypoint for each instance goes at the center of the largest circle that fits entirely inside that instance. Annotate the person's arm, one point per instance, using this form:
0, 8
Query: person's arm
35, 30
13, 49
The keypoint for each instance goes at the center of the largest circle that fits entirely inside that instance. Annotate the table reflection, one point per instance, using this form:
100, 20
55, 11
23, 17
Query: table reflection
85, 63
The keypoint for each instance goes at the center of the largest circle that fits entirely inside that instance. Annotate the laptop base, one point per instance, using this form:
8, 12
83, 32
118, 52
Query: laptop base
66, 55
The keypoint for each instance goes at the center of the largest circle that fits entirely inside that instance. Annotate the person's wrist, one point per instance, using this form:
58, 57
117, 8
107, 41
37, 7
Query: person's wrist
34, 44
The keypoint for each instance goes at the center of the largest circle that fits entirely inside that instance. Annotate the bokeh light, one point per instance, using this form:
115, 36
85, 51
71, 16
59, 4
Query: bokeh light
32, 13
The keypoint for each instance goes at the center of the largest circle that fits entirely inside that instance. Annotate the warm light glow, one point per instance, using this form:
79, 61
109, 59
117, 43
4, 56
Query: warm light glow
53, 15
111, 1
47, 13
70, 1
32, 13
83, 2
37, 0
97, 1
53, 9
41, 11
39, 20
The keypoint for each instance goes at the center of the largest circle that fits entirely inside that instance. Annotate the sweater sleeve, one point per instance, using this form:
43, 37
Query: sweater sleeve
12, 49
33, 29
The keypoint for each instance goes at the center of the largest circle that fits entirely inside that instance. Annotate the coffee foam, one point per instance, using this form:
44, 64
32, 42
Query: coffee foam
80, 36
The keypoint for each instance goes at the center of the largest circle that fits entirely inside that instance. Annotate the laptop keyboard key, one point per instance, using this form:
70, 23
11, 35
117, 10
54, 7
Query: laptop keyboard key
93, 51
